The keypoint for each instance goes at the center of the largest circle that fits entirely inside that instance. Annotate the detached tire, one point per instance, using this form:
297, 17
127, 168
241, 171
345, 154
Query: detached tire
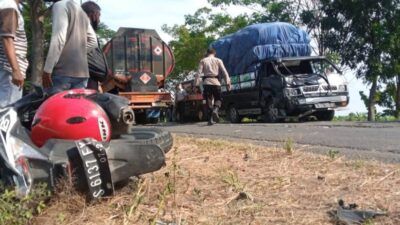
326, 115
155, 136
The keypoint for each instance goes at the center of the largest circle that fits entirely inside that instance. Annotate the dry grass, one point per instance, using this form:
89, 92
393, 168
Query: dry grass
220, 182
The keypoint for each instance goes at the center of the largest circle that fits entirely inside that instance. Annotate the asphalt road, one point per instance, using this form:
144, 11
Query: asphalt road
378, 141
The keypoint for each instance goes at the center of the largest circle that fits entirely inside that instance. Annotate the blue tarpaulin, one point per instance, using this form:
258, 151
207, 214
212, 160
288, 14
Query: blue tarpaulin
241, 51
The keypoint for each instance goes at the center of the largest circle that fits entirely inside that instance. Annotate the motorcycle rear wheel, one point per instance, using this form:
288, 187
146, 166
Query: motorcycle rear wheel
156, 136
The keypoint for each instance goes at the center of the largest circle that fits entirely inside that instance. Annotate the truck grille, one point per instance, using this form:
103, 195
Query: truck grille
333, 87
310, 88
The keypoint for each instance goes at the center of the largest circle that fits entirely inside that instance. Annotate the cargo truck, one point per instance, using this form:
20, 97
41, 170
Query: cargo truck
274, 77
139, 63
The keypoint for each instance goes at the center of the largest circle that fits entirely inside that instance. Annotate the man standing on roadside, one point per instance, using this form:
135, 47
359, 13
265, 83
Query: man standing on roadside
13, 49
211, 67
180, 96
93, 11
66, 65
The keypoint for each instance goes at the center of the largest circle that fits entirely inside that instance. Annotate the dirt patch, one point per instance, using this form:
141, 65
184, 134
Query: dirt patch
220, 182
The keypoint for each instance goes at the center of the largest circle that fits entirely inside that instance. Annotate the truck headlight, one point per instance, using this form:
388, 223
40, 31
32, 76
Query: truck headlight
302, 101
292, 91
342, 88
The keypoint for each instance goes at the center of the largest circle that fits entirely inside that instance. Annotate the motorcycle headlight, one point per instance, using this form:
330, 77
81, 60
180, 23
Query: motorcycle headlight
22, 177
23, 180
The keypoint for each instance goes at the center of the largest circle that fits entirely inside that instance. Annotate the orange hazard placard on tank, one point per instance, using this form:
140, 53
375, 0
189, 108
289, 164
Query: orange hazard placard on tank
145, 78
157, 50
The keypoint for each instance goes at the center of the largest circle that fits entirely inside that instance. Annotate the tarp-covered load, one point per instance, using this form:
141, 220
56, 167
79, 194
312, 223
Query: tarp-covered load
242, 50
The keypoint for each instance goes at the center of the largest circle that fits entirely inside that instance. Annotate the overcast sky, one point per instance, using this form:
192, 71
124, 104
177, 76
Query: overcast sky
152, 14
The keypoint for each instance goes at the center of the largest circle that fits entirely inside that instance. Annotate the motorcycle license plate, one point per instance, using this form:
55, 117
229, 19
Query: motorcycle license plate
96, 168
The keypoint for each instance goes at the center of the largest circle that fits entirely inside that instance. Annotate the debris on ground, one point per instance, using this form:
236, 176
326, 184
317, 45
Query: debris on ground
349, 215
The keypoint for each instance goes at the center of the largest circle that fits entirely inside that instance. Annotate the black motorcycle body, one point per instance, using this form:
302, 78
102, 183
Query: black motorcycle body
94, 167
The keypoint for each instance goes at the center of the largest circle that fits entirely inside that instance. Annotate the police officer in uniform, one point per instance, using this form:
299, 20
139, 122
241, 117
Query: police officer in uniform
210, 69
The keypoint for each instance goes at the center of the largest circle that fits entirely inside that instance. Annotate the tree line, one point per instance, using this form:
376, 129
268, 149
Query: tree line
360, 35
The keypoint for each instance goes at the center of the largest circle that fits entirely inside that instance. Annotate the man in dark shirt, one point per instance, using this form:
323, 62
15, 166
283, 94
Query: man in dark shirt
93, 11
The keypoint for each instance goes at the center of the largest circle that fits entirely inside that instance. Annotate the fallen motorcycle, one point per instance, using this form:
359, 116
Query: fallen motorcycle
94, 166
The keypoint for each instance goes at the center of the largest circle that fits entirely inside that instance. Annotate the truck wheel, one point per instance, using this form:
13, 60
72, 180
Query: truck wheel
326, 115
233, 115
179, 118
153, 120
155, 136
271, 115
200, 115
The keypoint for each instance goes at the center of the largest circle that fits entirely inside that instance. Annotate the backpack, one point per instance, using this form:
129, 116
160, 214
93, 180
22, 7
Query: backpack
98, 67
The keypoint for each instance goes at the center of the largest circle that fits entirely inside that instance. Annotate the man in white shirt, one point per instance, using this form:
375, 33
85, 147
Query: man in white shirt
66, 64
180, 96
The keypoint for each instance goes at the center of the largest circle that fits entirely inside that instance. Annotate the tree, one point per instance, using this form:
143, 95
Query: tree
392, 59
358, 32
104, 33
191, 39
267, 11
189, 47
37, 25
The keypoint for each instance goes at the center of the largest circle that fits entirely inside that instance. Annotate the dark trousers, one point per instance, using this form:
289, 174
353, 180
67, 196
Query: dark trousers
210, 93
180, 106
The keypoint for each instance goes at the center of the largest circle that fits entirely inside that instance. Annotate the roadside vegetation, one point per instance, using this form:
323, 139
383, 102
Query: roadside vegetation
362, 117
224, 182
20, 211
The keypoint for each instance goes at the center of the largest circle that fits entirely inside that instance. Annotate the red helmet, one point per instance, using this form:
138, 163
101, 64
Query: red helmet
70, 115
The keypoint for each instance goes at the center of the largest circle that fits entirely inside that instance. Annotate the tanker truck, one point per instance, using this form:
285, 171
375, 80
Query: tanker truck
275, 78
139, 63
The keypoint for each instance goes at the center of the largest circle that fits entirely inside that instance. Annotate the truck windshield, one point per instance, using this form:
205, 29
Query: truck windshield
308, 66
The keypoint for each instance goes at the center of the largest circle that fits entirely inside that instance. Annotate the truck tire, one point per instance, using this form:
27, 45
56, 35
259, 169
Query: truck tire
153, 120
201, 115
140, 118
155, 136
326, 115
233, 115
179, 118
271, 114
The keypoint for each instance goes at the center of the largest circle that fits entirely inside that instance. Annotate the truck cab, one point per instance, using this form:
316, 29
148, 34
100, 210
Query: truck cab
282, 88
